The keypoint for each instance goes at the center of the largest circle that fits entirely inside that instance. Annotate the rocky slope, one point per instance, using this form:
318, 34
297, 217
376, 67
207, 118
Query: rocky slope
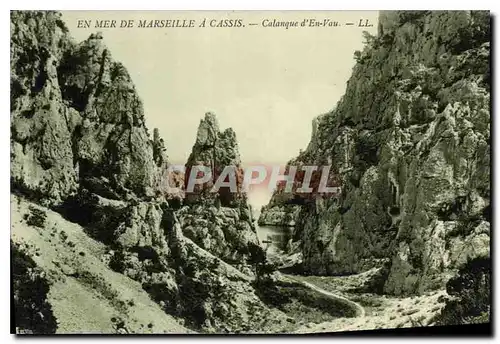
93, 209
82, 293
410, 141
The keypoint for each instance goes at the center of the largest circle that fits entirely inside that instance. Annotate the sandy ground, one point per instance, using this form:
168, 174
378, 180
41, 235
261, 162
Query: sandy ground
86, 296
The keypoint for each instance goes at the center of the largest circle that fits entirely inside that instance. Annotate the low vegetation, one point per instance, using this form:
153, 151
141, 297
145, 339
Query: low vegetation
471, 295
32, 312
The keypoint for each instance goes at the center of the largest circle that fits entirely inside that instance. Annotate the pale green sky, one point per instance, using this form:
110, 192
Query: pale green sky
266, 83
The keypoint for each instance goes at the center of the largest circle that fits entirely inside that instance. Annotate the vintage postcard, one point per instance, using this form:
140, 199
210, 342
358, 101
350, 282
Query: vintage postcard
244, 172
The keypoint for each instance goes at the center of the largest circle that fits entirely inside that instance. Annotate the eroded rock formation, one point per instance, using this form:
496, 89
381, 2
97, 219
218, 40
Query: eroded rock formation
410, 140
77, 120
80, 146
219, 221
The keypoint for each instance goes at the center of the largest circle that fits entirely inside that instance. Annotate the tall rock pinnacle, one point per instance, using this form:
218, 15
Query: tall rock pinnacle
215, 149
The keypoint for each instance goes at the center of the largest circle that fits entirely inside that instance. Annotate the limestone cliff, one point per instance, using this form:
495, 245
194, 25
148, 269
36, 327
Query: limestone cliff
279, 215
284, 206
220, 222
216, 150
80, 149
77, 120
410, 140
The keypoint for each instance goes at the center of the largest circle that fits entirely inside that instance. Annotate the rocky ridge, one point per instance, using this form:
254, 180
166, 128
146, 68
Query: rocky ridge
410, 140
80, 147
220, 222
77, 120
88, 178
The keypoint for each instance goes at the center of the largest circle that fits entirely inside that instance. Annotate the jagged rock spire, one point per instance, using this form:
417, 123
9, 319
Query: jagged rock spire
215, 149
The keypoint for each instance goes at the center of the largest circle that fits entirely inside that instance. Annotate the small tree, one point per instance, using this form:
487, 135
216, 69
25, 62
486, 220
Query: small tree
258, 258
369, 39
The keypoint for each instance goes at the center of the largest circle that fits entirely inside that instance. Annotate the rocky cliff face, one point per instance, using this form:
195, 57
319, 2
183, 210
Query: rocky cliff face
410, 140
284, 207
220, 222
76, 118
216, 150
79, 145
279, 215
